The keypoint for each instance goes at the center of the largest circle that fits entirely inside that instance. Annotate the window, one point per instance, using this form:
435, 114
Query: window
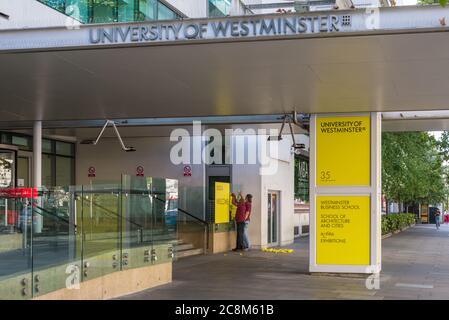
107, 11
164, 13
58, 159
47, 172
103, 12
47, 146
302, 178
24, 143
64, 148
64, 170
148, 9
219, 8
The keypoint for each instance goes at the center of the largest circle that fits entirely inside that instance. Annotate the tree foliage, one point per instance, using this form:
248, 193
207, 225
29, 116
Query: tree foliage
412, 168
442, 3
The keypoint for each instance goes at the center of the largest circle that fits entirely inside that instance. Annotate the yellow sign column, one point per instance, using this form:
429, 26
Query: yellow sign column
345, 193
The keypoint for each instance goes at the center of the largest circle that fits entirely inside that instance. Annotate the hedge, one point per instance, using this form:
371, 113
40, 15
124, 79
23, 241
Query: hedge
396, 222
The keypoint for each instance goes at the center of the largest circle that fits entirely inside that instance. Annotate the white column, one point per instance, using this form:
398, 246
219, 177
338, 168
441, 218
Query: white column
37, 167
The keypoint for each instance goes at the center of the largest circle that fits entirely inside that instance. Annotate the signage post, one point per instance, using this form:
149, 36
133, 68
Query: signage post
345, 193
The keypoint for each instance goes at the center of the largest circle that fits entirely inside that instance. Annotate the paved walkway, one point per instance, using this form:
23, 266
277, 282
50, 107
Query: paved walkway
415, 266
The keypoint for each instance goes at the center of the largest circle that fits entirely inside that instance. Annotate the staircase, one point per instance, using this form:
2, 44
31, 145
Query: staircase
183, 249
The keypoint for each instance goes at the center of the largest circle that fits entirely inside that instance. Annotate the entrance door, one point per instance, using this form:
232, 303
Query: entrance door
24, 169
273, 218
7, 180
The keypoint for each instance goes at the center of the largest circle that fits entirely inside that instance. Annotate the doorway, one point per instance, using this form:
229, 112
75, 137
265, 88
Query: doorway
273, 218
24, 169
8, 160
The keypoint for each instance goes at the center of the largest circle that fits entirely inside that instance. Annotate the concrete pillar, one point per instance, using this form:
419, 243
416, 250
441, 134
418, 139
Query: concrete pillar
37, 169
345, 193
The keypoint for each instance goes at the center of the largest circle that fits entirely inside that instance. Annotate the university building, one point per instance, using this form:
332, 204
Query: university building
125, 125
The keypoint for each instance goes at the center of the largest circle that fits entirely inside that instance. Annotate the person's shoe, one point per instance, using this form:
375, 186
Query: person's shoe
246, 249
236, 249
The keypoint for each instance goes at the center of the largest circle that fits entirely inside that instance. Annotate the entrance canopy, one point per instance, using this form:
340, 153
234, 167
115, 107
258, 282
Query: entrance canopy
318, 63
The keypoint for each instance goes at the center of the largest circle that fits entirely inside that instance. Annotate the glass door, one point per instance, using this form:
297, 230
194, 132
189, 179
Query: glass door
24, 169
7, 181
273, 218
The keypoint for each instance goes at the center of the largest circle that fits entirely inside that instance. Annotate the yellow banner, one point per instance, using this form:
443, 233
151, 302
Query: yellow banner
343, 230
222, 195
343, 151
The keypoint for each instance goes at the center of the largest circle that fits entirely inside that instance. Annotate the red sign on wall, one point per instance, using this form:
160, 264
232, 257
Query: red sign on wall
140, 172
187, 171
91, 172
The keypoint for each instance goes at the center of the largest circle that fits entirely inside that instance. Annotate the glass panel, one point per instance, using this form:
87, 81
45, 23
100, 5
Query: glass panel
164, 13
147, 10
219, 8
56, 257
64, 171
137, 222
47, 146
101, 219
275, 217
64, 148
6, 138
104, 11
78, 9
7, 169
47, 173
23, 142
55, 4
23, 172
15, 247
165, 207
126, 10
191, 232
269, 219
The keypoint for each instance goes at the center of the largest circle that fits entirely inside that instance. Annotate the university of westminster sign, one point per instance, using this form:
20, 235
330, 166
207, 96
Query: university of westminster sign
216, 29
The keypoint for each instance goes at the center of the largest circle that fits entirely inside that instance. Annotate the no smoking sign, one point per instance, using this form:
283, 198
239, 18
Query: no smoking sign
140, 172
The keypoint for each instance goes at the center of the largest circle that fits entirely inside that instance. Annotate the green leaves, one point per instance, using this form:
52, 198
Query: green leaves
396, 222
443, 3
412, 167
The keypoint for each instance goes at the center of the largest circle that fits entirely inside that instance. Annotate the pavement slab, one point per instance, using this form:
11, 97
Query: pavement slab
415, 265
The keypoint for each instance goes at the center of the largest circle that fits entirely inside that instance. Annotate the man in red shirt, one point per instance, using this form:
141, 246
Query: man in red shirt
242, 217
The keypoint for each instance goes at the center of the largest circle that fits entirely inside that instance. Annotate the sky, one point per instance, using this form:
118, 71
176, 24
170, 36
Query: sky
436, 134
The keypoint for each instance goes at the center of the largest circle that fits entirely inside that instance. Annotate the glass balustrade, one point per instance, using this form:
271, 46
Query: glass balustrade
56, 238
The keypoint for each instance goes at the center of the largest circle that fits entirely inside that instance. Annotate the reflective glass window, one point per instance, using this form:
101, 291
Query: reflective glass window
147, 9
219, 8
47, 173
165, 13
64, 148
64, 170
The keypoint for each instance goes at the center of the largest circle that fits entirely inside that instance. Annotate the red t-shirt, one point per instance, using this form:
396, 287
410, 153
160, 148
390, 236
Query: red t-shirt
241, 211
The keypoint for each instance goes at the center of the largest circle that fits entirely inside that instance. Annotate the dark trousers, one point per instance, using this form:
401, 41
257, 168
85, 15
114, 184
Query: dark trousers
240, 235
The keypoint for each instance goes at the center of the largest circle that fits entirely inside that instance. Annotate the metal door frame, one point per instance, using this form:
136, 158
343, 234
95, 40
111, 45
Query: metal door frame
278, 220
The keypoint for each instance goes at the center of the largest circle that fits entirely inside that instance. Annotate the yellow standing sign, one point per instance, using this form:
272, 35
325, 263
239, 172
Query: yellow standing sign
222, 195
343, 230
343, 151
